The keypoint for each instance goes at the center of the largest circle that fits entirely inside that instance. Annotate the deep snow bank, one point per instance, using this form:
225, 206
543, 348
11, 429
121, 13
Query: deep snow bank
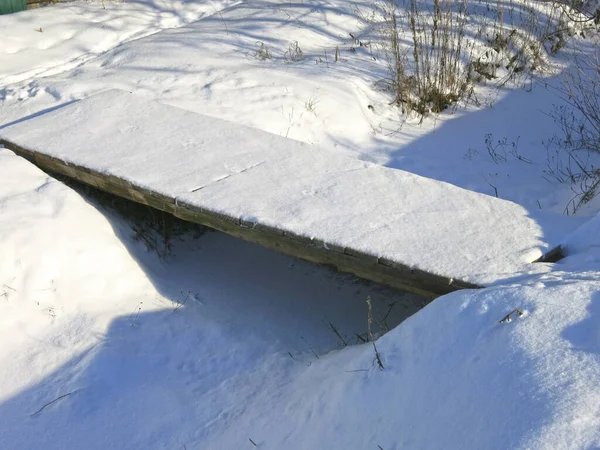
82, 316
455, 378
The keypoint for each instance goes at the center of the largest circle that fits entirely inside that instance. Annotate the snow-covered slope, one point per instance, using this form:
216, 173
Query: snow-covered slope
211, 66
229, 346
205, 351
76, 292
47, 41
454, 377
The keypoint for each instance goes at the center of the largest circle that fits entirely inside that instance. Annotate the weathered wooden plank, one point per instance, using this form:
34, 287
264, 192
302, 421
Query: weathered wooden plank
388, 225
344, 259
553, 255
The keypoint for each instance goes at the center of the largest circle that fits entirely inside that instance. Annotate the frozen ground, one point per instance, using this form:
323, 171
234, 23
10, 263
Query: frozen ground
216, 347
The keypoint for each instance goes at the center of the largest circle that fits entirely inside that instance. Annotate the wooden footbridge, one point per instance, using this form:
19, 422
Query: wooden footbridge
381, 224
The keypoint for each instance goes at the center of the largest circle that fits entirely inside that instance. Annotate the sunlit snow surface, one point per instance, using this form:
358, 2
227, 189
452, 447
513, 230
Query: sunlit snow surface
92, 320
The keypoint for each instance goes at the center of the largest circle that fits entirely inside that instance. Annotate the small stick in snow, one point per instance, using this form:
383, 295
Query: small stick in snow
181, 304
331, 327
49, 403
134, 315
495, 188
311, 349
253, 443
507, 318
378, 357
224, 23
8, 287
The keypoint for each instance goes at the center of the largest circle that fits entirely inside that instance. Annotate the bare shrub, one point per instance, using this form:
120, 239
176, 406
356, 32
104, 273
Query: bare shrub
294, 53
437, 50
311, 104
262, 52
398, 83
438, 46
430, 75
579, 122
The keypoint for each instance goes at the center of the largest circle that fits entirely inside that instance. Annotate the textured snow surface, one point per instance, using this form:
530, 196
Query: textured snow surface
209, 66
264, 178
87, 313
69, 34
216, 345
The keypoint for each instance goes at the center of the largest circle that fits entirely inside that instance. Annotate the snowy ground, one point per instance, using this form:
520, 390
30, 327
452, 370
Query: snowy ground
226, 344
68, 35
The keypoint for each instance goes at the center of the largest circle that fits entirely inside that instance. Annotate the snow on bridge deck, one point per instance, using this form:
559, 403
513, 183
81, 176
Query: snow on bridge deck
382, 224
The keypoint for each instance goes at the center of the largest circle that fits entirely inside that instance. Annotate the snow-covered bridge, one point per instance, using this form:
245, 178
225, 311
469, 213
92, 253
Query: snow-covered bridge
381, 224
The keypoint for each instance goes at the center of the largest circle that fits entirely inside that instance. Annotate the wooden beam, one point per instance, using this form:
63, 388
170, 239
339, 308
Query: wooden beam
552, 256
349, 260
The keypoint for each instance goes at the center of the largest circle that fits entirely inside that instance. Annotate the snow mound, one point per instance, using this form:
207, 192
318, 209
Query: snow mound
95, 353
104, 346
455, 377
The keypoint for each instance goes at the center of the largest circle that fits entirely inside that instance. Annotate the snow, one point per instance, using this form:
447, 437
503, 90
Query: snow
69, 34
91, 314
216, 372
88, 312
208, 66
584, 241
475, 383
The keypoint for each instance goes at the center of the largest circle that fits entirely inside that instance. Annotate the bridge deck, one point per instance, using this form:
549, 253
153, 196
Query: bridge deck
386, 225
